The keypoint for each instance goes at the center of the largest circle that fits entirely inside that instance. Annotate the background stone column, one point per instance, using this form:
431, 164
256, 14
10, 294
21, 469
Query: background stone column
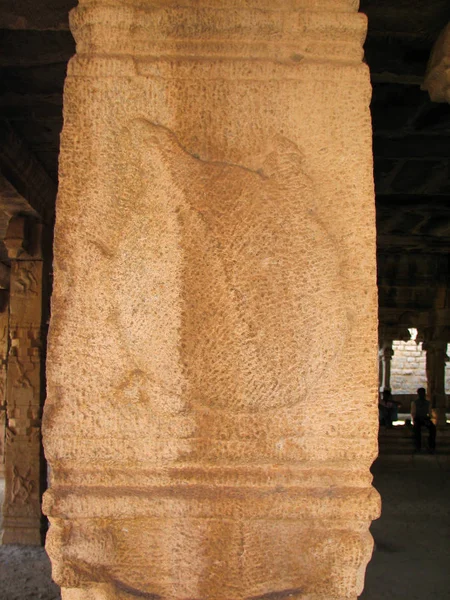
4, 346
435, 345
215, 217
386, 353
24, 465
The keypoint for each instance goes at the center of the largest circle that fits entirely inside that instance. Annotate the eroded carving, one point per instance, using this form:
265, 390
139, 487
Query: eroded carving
25, 369
25, 282
22, 487
241, 280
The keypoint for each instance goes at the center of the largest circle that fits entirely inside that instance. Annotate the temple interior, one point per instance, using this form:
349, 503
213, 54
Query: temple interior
411, 170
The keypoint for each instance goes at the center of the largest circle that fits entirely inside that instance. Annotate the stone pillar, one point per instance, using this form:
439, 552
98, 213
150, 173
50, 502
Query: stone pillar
22, 519
4, 346
215, 217
385, 354
435, 345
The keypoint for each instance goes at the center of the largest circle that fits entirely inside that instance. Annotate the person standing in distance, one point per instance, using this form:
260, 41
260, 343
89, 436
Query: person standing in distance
420, 413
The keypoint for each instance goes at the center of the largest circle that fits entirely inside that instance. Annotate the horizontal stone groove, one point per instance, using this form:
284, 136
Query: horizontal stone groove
279, 5
204, 502
139, 32
271, 475
217, 69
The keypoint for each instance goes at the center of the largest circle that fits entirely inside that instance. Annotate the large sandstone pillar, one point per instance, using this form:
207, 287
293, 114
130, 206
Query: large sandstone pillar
24, 464
215, 218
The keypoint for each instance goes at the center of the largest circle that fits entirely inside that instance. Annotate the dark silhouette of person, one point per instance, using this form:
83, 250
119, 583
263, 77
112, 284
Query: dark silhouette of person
420, 413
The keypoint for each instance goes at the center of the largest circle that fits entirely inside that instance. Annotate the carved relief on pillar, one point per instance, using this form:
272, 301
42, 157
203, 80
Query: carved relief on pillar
214, 198
4, 348
24, 393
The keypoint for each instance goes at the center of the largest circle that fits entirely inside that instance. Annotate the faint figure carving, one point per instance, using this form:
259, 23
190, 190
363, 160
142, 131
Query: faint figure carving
10, 435
238, 258
25, 281
23, 381
22, 487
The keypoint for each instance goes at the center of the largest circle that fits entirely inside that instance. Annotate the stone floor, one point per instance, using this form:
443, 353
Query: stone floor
410, 562
412, 537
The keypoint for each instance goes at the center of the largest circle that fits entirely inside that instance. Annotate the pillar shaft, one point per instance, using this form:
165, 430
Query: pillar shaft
215, 217
4, 346
436, 358
386, 353
22, 517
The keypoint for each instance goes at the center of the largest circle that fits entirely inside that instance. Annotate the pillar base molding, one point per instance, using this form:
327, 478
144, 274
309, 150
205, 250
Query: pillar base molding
22, 530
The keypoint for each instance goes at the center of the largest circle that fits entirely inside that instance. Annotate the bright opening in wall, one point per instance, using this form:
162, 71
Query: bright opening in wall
408, 368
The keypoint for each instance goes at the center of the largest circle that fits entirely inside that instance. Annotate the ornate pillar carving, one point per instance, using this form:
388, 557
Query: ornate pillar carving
435, 345
22, 519
215, 214
4, 346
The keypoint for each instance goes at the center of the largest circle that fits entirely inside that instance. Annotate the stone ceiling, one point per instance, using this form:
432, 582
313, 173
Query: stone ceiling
411, 134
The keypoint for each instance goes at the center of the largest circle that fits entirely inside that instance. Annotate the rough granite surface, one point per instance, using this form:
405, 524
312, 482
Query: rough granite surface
207, 424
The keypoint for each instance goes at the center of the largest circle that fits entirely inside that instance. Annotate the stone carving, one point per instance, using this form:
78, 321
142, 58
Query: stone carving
2, 434
25, 281
10, 435
22, 487
23, 472
25, 369
236, 269
207, 306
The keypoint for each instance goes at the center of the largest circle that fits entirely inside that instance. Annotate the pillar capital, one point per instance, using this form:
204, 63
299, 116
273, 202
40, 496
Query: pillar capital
437, 77
298, 31
23, 239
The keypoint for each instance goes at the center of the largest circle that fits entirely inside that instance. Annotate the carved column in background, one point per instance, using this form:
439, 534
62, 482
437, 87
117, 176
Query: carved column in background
4, 345
215, 217
386, 353
435, 345
22, 522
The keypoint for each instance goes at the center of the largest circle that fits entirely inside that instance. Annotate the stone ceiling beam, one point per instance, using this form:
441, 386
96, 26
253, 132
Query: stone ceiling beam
30, 48
23, 171
387, 77
428, 147
32, 15
418, 201
431, 244
34, 106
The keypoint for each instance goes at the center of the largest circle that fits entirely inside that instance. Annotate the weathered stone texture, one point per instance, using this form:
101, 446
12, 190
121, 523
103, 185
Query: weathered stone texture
4, 328
22, 522
408, 367
215, 231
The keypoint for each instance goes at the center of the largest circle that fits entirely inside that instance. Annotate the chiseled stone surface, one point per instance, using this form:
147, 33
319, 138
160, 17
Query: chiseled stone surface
22, 518
215, 230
